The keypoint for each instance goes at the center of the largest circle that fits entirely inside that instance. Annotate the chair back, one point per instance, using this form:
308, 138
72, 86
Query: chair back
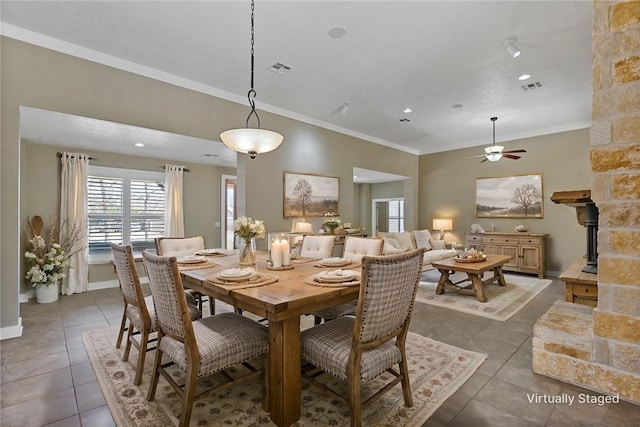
317, 246
128, 276
179, 246
172, 314
357, 247
388, 289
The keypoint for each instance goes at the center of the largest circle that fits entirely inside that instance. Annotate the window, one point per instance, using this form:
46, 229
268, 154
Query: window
125, 207
396, 216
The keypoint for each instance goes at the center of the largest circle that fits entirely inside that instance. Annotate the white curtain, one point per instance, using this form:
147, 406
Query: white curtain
73, 212
173, 213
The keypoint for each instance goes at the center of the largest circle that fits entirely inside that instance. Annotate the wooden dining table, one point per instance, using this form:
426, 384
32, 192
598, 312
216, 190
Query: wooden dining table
281, 303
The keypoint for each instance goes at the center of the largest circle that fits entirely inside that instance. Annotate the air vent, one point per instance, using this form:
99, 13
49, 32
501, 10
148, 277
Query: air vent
280, 68
403, 120
531, 86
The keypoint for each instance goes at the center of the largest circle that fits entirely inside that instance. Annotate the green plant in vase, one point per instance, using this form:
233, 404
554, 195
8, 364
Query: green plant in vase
331, 223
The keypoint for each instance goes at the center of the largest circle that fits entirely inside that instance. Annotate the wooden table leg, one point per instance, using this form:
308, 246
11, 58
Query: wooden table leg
444, 277
478, 286
498, 272
284, 371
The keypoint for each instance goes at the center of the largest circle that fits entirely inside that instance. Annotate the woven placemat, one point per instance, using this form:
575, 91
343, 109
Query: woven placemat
258, 279
196, 266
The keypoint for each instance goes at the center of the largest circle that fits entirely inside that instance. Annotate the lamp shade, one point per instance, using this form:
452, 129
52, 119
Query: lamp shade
443, 224
251, 141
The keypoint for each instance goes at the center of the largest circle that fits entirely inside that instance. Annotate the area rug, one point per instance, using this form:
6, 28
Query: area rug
437, 370
503, 301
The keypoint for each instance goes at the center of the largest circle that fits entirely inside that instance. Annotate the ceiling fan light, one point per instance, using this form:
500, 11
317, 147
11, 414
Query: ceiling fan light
494, 149
494, 157
251, 141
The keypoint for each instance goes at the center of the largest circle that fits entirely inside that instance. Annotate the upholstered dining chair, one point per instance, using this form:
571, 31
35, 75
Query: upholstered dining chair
354, 249
201, 348
317, 246
184, 246
138, 310
361, 348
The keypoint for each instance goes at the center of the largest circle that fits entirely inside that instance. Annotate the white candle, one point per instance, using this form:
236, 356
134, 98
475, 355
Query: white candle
286, 254
276, 254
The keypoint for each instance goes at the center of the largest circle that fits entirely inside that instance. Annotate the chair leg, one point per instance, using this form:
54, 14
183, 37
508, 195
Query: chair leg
156, 371
212, 305
123, 323
354, 401
406, 385
188, 396
142, 353
127, 347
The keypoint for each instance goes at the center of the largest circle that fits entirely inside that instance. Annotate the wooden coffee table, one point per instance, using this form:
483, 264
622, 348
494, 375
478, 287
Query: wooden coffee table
475, 271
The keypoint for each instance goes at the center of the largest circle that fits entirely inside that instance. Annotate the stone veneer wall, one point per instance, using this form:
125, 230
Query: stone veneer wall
614, 365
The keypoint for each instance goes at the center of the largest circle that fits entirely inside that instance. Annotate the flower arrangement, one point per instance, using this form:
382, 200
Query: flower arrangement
248, 228
332, 223
48, 253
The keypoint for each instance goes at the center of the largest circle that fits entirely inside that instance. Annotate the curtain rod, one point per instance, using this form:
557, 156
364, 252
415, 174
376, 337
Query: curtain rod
183, 169
59, 154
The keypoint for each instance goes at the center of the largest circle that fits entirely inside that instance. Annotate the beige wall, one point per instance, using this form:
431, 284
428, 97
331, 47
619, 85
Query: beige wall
41, 78
447, 190
40, 182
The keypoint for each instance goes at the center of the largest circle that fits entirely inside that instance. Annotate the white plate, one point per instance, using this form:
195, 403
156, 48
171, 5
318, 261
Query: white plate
335, 261
236, 273
190, 259
209, 252
335, 276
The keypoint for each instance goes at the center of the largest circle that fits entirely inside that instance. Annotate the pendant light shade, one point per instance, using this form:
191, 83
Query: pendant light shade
252, 141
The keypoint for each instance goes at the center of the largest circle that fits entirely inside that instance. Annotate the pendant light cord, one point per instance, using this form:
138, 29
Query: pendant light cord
252, 93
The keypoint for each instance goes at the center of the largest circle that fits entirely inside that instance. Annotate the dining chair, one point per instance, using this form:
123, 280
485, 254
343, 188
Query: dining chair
317, 246
184, 246
361, 348
202, 347
138, 309
354, 249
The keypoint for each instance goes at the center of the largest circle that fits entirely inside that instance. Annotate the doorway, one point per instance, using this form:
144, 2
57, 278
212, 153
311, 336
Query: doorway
387, 215
229, 210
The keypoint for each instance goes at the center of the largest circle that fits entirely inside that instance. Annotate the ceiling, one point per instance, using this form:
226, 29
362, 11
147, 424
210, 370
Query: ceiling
424, 55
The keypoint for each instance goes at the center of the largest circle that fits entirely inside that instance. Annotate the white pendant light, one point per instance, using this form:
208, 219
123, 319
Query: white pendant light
248, 140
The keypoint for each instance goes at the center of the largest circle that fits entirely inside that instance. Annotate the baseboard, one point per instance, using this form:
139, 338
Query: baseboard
11, 331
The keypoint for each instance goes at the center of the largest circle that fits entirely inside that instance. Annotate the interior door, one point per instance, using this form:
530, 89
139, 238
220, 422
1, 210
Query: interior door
229, 210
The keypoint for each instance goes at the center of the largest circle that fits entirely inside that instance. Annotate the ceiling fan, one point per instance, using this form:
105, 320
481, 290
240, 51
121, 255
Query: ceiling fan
494, 152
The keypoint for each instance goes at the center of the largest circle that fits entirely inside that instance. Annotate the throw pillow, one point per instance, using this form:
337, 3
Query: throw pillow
438, 244
391, 246
404, 239
422, 239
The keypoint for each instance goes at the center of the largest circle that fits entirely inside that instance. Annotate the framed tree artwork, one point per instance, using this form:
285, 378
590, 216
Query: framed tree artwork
517, 196
307, 195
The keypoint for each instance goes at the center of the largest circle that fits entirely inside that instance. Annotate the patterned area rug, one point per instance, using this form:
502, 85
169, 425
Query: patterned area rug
503, 301
437, 370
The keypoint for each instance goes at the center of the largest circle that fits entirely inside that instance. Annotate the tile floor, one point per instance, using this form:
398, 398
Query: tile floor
47, 380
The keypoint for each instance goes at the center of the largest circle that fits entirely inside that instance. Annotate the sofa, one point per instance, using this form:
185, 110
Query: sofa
436, 250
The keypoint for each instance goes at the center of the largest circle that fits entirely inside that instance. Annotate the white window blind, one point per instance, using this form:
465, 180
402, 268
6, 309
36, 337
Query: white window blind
396, 216
125, 207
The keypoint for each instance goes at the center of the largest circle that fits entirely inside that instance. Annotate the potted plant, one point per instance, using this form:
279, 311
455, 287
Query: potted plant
47, 257
331, 223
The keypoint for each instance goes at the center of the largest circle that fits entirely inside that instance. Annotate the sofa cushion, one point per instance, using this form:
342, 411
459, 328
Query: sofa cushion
405, 240
437, 255
438, 244
422, 238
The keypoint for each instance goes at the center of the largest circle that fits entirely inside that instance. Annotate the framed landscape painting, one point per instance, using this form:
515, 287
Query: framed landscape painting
310, 195
517, 196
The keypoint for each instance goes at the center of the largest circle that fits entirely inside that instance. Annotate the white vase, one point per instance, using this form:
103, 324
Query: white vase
47, 292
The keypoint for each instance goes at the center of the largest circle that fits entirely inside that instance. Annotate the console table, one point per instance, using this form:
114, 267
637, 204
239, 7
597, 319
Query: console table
581, 287
527, 250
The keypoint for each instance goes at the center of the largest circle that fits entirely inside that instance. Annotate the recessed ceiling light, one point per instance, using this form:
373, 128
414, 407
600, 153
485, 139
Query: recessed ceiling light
355, 176
407, 110
457, 106
524, 77
139, 144
337, 32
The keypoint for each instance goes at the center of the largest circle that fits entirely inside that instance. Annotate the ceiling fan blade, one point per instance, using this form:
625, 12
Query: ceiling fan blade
510, 156
476, 157
485, 160
515, 151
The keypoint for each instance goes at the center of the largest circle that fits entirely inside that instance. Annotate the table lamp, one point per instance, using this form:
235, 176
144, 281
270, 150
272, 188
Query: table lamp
442, 225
